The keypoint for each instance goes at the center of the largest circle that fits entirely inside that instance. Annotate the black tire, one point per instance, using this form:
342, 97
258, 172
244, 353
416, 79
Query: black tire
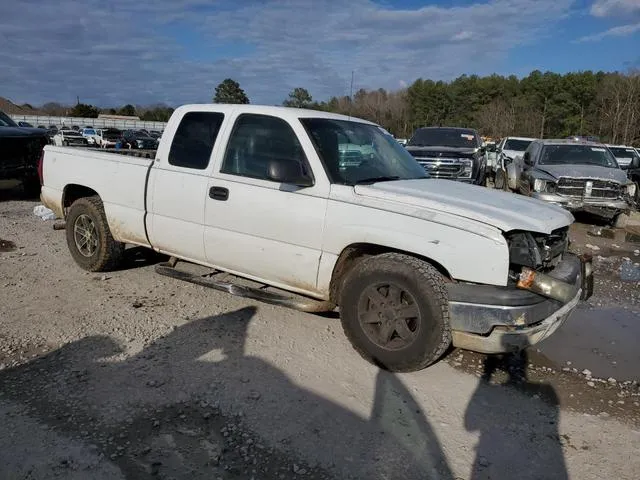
107, 253
501, 180
422, 290
621, 220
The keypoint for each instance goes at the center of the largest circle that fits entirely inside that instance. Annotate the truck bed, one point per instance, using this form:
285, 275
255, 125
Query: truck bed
119, 179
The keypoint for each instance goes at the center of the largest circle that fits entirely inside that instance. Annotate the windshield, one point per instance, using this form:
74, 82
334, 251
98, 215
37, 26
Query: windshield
354, 152
577, 155
5, 121
516, 145
624, 152
89, 131
444, 137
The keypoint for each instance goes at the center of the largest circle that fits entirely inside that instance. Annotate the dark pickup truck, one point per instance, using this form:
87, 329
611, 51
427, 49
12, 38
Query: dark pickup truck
20, 151
449, 152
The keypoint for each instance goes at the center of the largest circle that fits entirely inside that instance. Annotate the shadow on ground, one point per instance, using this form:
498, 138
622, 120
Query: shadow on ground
155, 414
194, 405
12, 190
515, 441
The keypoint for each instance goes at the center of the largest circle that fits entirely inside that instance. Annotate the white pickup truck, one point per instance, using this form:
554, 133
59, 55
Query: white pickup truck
262, 194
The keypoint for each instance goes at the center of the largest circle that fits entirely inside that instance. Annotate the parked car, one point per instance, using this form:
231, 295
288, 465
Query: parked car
415, 264
624, 154
20, 150
139, 139
155, 134
450, 153
92, 136
69, 137
25, 124
109, 137
507, 151
577, 176
42, 126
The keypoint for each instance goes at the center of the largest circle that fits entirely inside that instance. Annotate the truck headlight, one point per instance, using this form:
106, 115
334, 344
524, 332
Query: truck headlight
631, 189
467, 167
546, 186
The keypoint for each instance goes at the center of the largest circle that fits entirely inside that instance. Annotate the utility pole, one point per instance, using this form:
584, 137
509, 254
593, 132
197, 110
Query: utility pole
351, 94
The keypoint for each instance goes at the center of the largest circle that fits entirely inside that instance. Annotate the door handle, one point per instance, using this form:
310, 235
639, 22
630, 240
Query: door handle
219, 193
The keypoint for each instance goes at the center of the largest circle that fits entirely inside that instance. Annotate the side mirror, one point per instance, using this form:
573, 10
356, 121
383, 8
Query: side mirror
285, 170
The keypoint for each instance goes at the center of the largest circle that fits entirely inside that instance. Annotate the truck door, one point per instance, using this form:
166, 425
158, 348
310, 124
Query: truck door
178, 187
261, 228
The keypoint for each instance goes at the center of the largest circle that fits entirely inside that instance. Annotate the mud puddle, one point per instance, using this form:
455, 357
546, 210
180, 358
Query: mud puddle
601, 340
7, 246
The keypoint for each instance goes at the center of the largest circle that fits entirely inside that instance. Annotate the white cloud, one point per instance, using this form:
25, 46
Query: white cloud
461, 36
620, 31
608, 8
117, 52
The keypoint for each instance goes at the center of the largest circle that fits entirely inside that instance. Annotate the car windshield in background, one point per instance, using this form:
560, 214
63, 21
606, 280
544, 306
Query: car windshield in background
355, 153
5, 121
516, 145
620, 152
88, 131
444, 137
577, 155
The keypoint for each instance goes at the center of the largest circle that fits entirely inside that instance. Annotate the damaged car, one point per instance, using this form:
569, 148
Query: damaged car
578, 176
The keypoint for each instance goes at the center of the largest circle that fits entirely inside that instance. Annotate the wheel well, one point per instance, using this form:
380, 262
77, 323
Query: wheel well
356, 252
74, 192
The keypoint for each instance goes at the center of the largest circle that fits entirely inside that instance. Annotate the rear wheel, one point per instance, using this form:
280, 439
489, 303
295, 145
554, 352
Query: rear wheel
88, 236
395, 312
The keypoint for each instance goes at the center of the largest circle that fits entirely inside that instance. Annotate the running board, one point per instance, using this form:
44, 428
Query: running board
303, 304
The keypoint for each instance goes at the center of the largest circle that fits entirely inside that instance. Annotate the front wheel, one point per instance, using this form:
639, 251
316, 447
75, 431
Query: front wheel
88, 236
501, 180
394, 311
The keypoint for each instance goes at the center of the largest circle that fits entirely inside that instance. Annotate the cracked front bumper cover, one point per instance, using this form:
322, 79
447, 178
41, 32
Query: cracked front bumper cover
502, 319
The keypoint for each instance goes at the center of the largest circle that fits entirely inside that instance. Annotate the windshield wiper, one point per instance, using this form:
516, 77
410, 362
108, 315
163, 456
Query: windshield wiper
377, 179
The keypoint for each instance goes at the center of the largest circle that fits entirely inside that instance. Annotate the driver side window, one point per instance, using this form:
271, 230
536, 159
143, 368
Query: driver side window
257, 139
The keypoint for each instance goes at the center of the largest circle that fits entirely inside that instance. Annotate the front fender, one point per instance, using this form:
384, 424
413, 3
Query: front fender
467, 251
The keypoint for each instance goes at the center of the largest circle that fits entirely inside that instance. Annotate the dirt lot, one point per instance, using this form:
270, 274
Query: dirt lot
133, 375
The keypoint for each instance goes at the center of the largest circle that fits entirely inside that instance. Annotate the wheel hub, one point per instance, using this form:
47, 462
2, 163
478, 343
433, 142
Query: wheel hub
389, 316
85, 235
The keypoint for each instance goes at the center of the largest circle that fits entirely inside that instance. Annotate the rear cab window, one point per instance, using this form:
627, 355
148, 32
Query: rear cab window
194, 140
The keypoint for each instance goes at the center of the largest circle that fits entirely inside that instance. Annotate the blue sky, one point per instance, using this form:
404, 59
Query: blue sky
176, 51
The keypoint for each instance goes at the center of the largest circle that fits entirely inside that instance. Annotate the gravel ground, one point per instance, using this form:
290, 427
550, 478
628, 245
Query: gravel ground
133, 375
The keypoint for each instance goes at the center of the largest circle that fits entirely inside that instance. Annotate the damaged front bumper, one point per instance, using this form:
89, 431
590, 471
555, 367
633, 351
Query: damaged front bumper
491, 319
605, 207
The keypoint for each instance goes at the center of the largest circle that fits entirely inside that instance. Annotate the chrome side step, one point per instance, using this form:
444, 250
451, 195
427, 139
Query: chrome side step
303, 304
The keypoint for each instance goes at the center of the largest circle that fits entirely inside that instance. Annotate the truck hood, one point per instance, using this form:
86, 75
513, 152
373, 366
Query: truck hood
22, 132
584, 171
513, 153
499, 209
441, 151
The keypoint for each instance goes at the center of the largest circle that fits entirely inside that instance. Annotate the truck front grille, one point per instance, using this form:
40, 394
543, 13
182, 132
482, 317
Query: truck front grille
442, 167
585, 187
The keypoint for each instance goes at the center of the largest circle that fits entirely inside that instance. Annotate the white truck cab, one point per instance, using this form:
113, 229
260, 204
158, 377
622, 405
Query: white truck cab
414, 264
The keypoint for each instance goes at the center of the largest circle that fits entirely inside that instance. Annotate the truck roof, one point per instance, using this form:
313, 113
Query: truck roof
520, 138
566, 141
288, 113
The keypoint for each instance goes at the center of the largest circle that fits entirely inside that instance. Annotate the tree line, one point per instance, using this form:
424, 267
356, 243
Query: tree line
155, 113
543, 105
